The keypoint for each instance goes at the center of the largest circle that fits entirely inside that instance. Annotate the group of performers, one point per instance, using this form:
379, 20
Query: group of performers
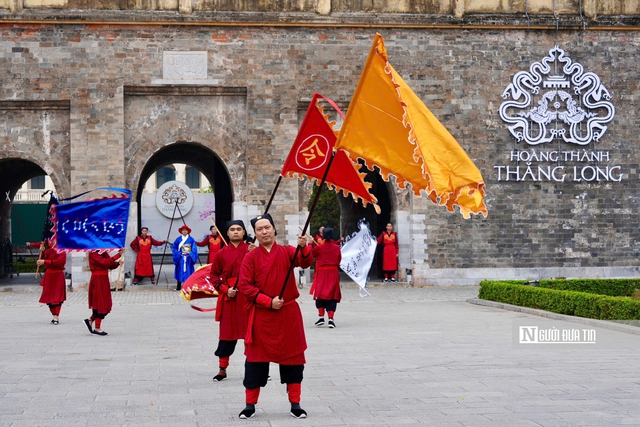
254, 302
54, 290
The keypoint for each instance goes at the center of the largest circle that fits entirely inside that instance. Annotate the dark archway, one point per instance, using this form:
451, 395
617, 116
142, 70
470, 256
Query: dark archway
351, 212
201, 158
13, 173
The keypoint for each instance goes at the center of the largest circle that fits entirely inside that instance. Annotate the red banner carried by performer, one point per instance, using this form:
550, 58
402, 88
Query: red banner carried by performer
198, 285
312, 149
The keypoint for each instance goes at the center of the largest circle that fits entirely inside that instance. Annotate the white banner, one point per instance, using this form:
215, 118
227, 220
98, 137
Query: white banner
357, 254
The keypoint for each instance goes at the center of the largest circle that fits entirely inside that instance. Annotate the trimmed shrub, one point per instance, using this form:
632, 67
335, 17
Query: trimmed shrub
573, 303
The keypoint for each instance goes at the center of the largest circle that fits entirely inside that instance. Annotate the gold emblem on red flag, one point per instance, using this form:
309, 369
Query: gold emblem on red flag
312, 153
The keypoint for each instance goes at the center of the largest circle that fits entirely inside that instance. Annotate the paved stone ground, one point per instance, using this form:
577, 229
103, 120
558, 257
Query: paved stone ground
402, 356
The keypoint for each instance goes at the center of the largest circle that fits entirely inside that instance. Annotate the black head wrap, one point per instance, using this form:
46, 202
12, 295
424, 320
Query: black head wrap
327, 234
265, 216
143, 228
236, 222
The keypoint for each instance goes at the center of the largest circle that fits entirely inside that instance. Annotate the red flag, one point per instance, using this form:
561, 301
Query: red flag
312, 150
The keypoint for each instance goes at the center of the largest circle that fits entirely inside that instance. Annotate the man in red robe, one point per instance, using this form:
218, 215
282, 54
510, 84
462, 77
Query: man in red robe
100, 262
326, 283
213, 241
54, 290
275, 332
144, 264
230, 310
389, 240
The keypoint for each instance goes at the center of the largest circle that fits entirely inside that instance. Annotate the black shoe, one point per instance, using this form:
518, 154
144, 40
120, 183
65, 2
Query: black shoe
55, 322
153, 282
393, 279
135, 283
102, 333
222, 375
52, 320
247, 412
87, 322
320, 322
331, 324
297, 411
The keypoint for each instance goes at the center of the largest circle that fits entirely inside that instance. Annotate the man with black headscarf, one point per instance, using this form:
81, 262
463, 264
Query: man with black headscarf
230, 310
275, 332
326, 282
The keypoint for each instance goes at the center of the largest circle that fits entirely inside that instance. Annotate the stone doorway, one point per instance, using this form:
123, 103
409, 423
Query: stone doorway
201, 158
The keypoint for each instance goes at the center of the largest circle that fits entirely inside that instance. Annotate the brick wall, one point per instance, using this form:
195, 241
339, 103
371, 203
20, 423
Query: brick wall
460, 75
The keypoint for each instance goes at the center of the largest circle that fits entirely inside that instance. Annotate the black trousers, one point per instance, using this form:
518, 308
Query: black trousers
97, 315
256, 374
225, 348
329, 305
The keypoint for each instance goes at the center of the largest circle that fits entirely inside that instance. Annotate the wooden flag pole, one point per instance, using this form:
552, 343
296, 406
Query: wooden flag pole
119, 271
219, 233
309, 235
273, 193
39, 258
306, 224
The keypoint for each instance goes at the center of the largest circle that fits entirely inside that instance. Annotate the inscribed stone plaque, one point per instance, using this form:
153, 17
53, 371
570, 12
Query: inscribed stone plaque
184, 65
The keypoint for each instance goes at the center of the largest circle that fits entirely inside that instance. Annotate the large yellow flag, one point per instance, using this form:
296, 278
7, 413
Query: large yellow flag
388, 126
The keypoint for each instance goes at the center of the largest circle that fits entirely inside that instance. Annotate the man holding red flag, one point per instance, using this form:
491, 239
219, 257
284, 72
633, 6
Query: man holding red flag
275, 332
230, 310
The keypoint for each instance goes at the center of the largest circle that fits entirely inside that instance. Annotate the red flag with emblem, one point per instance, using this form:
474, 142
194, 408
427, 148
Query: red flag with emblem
312, 149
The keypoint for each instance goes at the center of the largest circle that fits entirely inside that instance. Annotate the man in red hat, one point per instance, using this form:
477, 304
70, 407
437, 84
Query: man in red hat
230, 310
213, 241
185, 256
144, 264
275, 332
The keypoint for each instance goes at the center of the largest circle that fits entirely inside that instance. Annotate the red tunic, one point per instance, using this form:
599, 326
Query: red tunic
215, 244
273, 335
99, 286
230, 312
144, 264
389, 250
54, 290
326, 283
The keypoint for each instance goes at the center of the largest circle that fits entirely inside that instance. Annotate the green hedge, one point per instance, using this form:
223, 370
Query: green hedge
573, 303
26, 267
611, 287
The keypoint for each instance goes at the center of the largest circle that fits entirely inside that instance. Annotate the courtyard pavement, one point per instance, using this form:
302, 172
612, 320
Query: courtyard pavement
402, 356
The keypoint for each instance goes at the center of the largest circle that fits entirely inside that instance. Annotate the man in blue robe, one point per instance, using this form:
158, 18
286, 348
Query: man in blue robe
185, 255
